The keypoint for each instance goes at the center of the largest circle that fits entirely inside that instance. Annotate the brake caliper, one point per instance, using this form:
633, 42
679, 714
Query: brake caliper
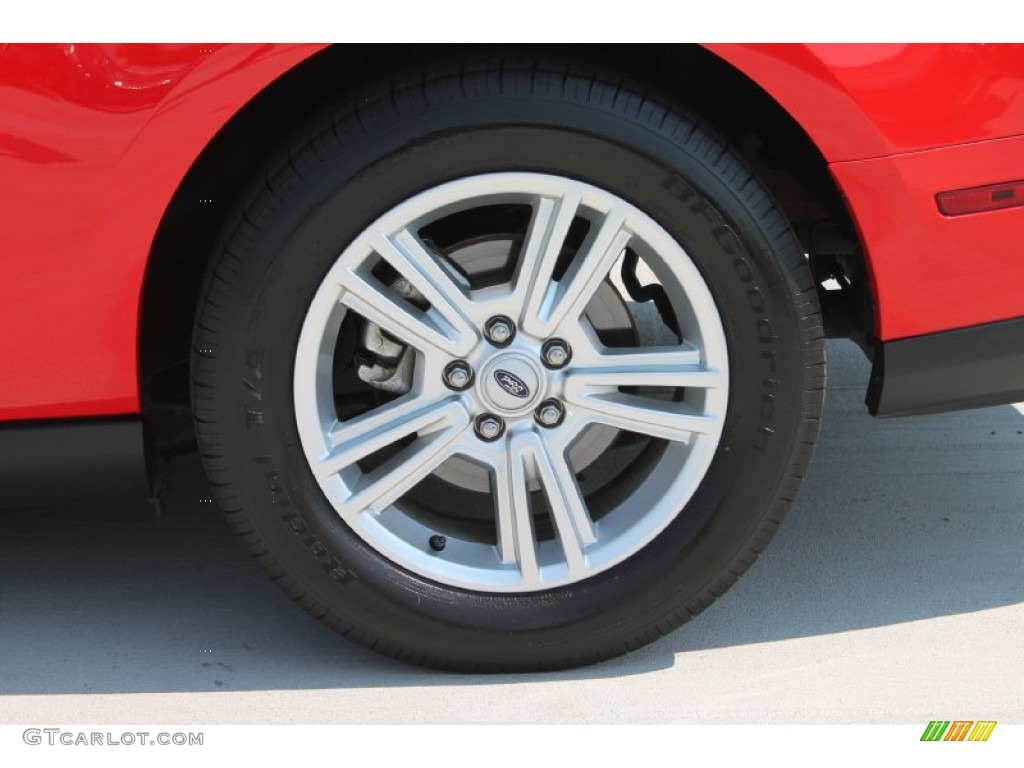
384, 362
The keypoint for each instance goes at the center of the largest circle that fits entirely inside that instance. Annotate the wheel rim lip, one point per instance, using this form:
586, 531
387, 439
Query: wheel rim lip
391, 532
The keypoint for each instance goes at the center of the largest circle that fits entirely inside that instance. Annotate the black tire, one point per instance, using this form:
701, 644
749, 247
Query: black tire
383, 147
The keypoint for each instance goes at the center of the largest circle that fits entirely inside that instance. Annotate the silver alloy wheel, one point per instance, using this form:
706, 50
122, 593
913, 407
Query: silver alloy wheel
600, 385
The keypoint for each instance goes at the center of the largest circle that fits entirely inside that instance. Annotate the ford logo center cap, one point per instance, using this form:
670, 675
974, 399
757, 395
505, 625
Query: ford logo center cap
511, 383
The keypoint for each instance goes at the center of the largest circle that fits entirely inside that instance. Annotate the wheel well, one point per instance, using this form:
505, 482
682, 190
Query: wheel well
776, 147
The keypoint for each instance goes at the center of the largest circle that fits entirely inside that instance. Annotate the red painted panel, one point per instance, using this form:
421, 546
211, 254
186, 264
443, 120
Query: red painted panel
935, 272
860, 101
94, 140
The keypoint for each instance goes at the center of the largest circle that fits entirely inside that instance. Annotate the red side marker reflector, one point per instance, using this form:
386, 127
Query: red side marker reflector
993, 197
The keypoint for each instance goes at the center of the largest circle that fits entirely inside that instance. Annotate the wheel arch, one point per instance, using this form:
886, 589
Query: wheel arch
781, 151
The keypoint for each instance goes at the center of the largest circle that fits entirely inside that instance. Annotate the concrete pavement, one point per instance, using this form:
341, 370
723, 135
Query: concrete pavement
894, 592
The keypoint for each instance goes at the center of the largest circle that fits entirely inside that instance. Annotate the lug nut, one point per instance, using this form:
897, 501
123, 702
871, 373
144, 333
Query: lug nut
555, 353
489, 427
550, 413
500, 330
458, 375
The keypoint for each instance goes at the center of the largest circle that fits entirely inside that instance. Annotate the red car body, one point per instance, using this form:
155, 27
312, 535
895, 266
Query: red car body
95, 141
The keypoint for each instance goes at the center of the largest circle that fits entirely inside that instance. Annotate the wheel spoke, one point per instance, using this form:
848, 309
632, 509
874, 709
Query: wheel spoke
541, 249
380, 304
569, 297
413, 260
516, 540
447, 325
573, 526
363, 435
667, 420
652, 367
437, 430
